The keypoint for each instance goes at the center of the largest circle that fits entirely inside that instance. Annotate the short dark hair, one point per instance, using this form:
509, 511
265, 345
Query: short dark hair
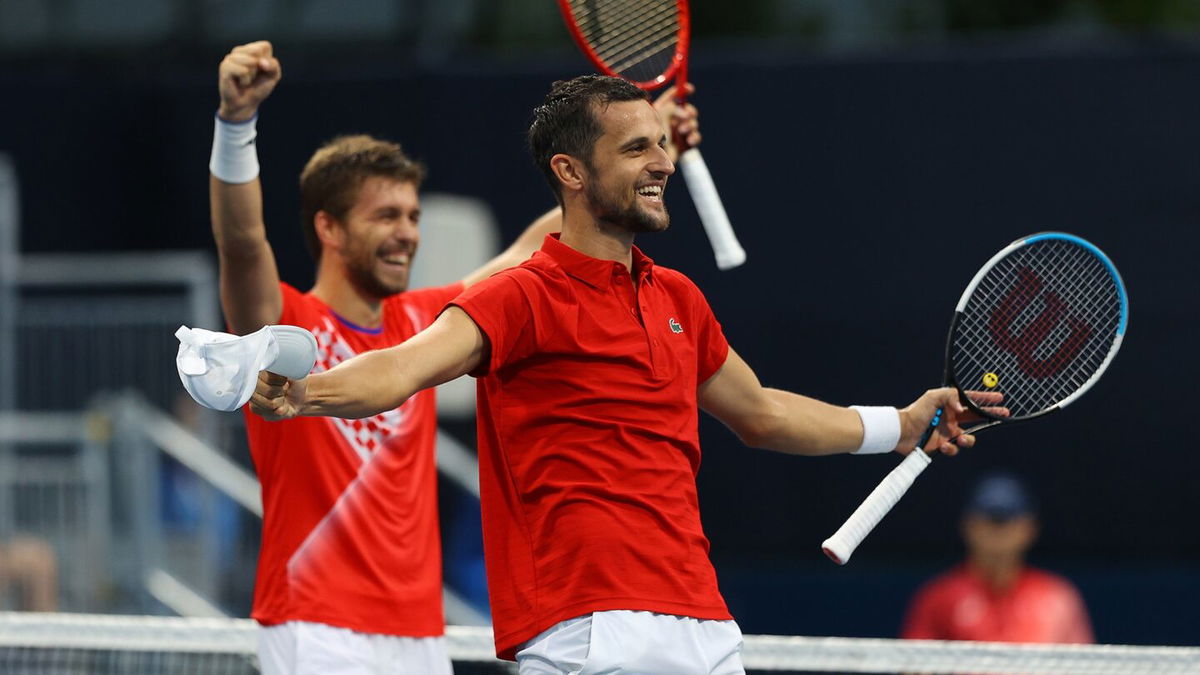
333, 175
566, 122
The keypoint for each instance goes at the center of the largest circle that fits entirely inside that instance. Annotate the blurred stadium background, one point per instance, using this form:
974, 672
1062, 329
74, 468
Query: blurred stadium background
871, 153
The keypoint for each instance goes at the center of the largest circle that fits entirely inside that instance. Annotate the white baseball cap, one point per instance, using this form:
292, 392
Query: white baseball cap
220, 370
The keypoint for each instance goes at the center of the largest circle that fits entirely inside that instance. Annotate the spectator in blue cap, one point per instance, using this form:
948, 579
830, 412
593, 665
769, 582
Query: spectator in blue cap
994, 595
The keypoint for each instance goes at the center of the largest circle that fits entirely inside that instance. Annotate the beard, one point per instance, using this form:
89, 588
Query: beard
628, 215
360, 269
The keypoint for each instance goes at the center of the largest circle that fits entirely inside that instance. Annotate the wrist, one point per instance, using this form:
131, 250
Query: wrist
881, 429
304, 402
234, 156
236, 115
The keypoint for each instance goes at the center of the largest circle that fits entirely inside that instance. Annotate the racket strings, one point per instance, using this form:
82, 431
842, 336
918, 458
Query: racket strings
1039, 326
635, 38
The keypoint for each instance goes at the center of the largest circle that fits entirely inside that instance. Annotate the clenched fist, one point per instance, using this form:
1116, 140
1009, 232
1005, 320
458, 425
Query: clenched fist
276, 397
246, 77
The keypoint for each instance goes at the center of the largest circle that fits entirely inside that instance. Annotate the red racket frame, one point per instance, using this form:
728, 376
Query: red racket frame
677, 69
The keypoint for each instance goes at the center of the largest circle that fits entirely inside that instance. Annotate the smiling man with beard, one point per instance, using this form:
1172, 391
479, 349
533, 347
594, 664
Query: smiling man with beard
356, 588
592, 363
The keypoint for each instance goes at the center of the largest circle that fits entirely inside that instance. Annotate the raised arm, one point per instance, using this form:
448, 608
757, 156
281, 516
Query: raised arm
520, 250
373, 382
250, 292
779, 420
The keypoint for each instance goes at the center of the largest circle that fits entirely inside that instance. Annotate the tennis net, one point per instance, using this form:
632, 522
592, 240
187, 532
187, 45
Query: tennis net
66, 644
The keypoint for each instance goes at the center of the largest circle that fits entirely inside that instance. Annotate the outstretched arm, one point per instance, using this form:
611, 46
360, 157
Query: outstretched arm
779, 420
250, 292
373, 382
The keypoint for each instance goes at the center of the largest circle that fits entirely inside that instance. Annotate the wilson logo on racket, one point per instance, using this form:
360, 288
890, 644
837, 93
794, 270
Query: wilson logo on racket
1024, 344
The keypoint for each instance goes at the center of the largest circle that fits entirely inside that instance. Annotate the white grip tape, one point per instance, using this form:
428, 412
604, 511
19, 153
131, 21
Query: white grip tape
725, 245
841, 545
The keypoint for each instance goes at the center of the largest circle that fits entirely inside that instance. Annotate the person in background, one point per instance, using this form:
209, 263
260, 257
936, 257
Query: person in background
994, 595
29, 574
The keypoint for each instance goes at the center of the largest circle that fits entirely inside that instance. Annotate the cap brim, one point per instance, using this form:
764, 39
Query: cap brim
297, 352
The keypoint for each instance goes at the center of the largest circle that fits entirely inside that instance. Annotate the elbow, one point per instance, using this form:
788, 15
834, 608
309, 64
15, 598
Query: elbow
761, 429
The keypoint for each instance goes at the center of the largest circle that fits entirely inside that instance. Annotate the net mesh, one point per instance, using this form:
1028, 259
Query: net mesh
95, 644
1039, 326
636, 39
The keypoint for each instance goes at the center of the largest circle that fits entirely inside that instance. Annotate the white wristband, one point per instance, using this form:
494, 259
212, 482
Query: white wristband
234, 154
881, 429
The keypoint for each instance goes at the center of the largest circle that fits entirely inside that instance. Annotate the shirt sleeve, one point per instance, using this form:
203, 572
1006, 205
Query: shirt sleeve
711, 346
501, 307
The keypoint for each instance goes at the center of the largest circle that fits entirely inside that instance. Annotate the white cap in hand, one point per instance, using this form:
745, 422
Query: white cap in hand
220, 370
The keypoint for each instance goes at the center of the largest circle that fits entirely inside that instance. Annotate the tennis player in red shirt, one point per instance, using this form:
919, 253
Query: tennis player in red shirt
356, 589
592, 363
994, 596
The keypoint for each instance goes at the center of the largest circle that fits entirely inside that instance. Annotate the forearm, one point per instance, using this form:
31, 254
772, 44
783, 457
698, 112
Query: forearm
250, 295
531, 239
801, 425
237, 221
374, 382
366, 385
524, 246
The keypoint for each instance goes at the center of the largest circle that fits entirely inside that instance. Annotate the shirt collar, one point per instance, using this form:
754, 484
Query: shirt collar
593, 271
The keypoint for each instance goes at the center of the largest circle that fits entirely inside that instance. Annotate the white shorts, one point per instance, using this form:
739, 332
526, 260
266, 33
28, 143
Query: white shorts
304, 648
623, 641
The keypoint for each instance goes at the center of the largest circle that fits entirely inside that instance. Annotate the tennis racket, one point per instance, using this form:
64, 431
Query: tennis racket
646, 43
1039, 323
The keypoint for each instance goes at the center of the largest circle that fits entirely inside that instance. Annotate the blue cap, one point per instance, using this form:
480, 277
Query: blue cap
1001, 496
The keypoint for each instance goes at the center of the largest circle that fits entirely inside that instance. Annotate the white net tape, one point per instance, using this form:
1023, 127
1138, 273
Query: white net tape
28, 643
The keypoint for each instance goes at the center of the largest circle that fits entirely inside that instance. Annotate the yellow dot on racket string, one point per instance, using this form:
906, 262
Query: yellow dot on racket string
990, 380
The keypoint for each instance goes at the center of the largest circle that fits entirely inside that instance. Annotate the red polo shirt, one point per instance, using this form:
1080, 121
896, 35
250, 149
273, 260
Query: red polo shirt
588, 440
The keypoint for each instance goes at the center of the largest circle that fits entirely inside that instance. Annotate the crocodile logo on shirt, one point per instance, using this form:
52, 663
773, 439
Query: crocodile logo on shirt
675, 327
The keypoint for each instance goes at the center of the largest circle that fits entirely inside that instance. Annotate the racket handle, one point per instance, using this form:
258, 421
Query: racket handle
841, 545
725, 245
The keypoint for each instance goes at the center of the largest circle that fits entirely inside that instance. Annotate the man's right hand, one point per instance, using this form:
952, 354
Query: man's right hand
276, 397
247, 76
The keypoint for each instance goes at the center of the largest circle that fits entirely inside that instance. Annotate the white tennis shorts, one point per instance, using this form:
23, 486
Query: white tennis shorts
304, 648
623, 641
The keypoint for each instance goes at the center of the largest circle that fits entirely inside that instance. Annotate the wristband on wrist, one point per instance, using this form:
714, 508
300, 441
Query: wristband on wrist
881, 429
234, 153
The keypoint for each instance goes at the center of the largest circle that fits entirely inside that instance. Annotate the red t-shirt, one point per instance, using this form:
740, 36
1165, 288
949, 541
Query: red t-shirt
958, 605
588, 440
350, 530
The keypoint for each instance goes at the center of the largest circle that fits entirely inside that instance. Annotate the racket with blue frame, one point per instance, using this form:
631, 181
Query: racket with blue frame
1039, 323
